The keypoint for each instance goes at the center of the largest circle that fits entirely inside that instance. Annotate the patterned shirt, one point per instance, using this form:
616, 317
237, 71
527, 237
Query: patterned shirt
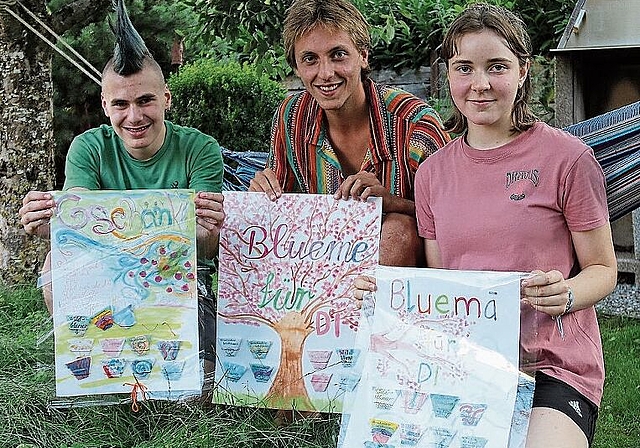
404, 132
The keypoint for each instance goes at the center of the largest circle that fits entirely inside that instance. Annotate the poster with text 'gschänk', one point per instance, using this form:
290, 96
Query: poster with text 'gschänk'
125, 306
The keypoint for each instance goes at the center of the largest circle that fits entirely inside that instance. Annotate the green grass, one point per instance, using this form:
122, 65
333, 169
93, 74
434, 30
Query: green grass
619, 422
28, 419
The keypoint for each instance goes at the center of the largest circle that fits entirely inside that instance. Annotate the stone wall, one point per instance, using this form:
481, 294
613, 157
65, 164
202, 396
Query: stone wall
417, 82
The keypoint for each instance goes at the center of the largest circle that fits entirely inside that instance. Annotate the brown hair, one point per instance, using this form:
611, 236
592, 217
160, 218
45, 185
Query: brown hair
304, 15
482, 16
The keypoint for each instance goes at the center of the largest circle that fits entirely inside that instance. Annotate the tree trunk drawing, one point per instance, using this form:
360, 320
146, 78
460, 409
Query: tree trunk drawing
288, 385
26, 137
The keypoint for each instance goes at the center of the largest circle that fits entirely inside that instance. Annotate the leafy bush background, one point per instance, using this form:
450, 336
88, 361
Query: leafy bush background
233, 103
404, 32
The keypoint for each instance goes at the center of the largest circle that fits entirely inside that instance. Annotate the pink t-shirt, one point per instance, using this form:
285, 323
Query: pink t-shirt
512, 209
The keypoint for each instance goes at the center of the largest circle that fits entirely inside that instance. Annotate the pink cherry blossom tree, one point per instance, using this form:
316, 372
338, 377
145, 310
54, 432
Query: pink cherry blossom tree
290, 265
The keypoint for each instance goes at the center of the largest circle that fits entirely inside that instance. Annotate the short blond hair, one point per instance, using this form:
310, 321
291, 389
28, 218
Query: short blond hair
305, 15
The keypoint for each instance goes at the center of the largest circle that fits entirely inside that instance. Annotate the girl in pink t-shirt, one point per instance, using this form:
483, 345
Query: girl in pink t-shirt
514, 194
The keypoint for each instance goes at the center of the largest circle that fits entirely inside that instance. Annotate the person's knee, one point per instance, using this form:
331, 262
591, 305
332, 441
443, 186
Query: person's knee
47, 289
400, 244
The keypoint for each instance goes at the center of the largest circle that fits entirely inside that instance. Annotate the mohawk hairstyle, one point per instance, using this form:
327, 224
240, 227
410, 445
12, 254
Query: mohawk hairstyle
130, 51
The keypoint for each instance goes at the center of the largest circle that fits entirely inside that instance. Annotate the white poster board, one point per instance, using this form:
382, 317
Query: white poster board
125, 314
442, 363
286, 314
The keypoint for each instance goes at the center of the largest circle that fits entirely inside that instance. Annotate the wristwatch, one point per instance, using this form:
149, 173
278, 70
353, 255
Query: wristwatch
569, 304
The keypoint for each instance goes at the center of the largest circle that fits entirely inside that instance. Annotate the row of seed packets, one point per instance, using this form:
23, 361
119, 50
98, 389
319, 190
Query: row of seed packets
440, 365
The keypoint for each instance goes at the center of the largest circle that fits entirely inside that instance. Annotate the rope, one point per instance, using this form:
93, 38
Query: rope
7, 3
135, 388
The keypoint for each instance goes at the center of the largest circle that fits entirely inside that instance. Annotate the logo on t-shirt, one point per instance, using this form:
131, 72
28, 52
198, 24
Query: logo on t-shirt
175, 184
519, 180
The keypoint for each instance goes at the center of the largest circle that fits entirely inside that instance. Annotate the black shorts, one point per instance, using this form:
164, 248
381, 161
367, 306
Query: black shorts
206, 314
555, 394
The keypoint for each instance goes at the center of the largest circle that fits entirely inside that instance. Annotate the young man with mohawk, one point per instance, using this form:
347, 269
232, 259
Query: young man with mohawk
142, 150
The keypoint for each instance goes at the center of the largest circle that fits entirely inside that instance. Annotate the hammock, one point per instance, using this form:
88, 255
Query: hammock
240, 167
615, 139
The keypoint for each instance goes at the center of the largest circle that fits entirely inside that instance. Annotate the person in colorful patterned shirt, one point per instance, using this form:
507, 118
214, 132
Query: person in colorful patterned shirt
345, 134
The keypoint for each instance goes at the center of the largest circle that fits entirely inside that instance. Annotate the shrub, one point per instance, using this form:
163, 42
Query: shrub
232, 103
247, 31
403, 32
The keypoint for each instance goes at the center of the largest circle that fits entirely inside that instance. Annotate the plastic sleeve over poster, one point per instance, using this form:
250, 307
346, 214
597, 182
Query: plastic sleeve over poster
125, 307
287, 318
441, 363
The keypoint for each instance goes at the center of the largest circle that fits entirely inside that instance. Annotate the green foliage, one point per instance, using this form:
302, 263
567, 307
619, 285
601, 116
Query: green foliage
251, 29
404, 32
233, 103
542, 73
546, 20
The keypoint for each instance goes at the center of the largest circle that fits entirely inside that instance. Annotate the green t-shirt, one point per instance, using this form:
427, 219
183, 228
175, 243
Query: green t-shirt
97, 160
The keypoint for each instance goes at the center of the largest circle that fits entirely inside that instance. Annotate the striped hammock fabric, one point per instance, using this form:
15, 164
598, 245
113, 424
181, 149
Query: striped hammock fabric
615, 139
240, 167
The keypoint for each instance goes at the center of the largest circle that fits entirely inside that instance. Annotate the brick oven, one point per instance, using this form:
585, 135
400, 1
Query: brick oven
598, 70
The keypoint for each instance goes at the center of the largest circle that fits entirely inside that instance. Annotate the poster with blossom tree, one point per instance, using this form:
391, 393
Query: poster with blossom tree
287, 319
123, 268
